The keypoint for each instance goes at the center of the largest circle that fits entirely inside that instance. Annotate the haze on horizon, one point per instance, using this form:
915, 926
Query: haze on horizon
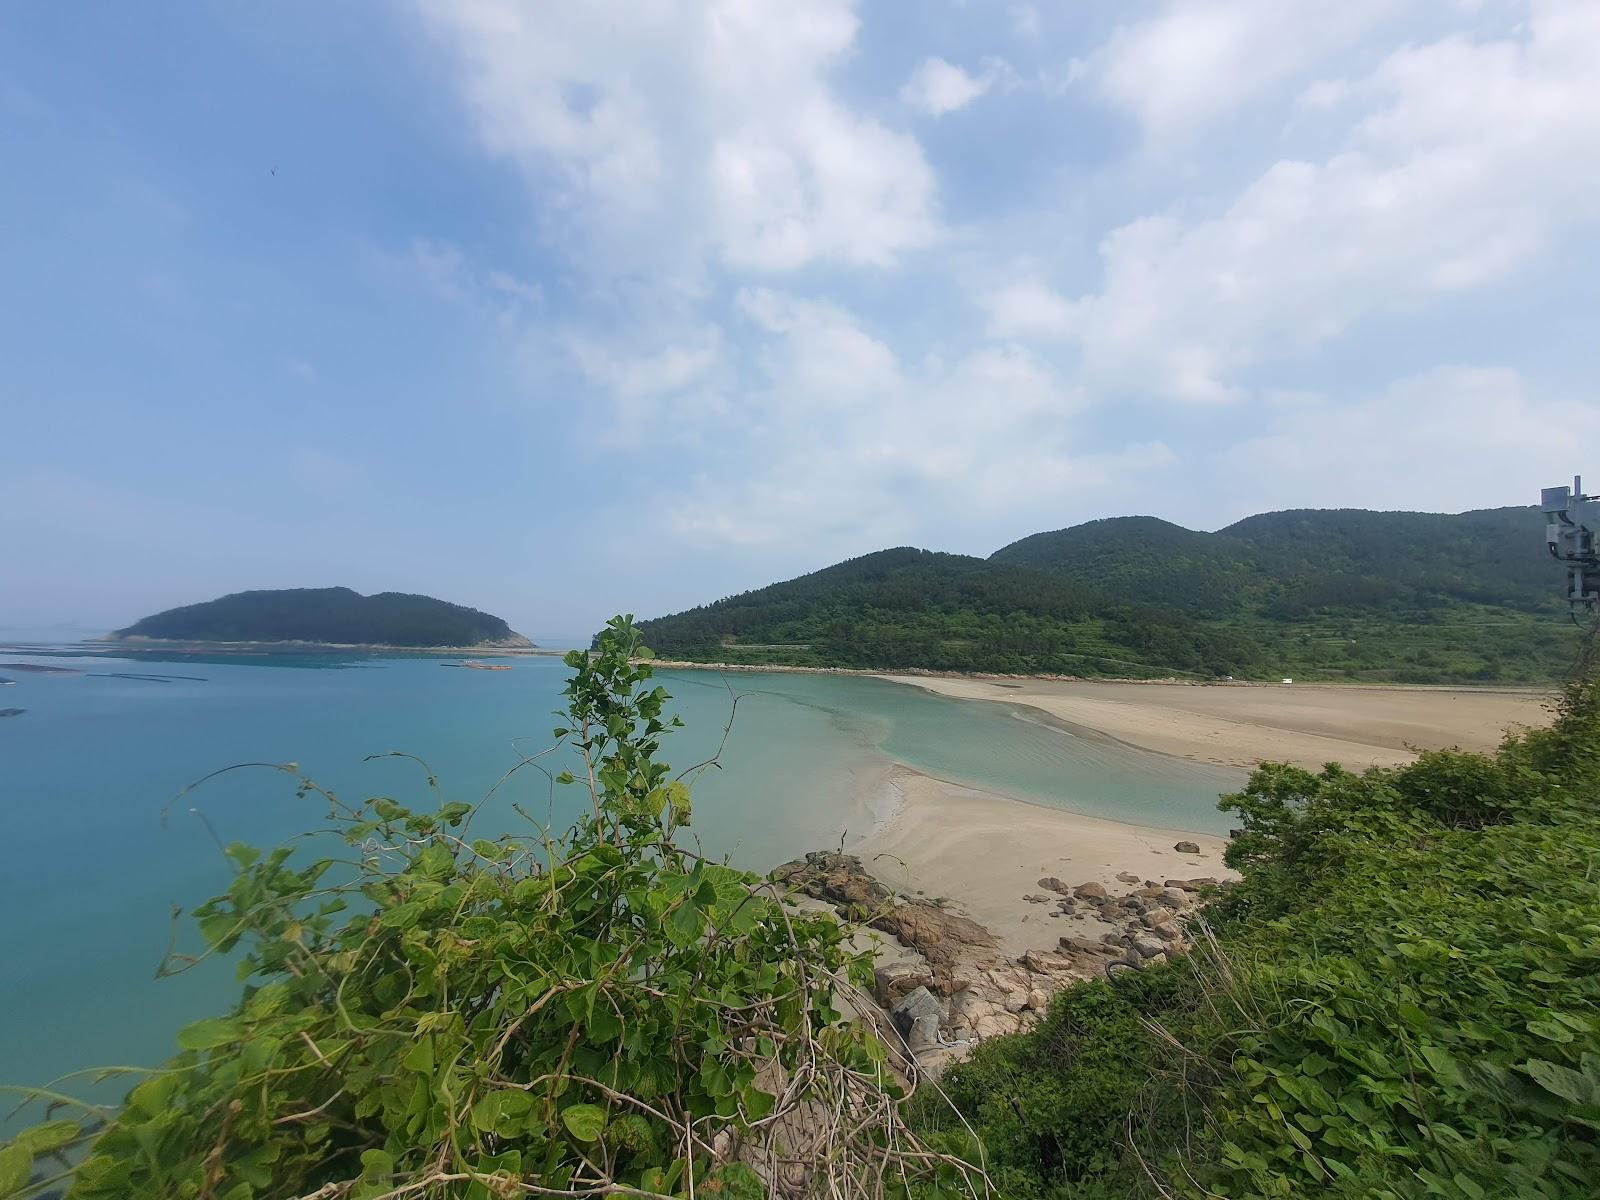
560, 310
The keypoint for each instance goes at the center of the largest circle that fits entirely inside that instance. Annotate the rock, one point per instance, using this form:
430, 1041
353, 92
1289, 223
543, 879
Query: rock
1111, 939
1038, 1000
891, 981
1186, 848
1156, 917
995, 1024
1147, 945
1127, 877
1037, 899
1150, 892
1016, 1002
1169, 933
1042, 962
918, 1017
1155, 960
1082, 945
1175, 897
1089, 891
1052, 884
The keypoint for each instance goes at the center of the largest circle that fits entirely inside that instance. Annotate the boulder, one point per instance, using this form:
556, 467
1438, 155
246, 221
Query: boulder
1038, 1000
891, 981
1082, 945
1147, 945
1042, 962
1127, 877
1175, 897
918, 1017
1051, 884
1155, 960
1156, 917
1186, 848
1089, 891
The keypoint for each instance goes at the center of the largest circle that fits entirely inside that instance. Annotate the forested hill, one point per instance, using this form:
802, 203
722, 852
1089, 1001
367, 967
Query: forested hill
916, 608
335, 616
1290, 564
1333, 594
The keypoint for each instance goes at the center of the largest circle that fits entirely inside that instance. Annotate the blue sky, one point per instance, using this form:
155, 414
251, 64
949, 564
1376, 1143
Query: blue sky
565, 309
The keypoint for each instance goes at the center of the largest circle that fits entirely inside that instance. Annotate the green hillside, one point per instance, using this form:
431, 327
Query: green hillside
917, 608
330, 615
1317, 594
1304, 561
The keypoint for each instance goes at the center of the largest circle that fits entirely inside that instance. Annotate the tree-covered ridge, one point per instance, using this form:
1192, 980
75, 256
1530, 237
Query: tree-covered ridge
336, 616
1304, 561
1402, 1000
1336, 594
917, 608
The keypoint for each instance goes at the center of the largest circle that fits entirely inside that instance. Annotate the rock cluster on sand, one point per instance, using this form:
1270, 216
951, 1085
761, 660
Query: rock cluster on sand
959, 988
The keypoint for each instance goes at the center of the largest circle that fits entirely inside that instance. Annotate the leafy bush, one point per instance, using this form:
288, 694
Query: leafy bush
435, 1015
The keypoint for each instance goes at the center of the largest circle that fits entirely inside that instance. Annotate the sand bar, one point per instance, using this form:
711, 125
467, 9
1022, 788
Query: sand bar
1240, 726
987, 852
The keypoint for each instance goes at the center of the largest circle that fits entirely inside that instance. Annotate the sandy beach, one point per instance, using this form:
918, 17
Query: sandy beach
1240, 726
987, 852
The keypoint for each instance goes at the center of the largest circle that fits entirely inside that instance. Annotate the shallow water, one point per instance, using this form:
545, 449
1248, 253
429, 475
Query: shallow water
91, 872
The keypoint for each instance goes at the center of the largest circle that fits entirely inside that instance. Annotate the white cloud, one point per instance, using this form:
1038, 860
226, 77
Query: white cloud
1028, 309
1448, 439
844, 447
1471, 158
671, 131
937, 87
1200, 59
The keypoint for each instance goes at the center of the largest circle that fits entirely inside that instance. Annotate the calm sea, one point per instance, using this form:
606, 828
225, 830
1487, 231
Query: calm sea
91, 872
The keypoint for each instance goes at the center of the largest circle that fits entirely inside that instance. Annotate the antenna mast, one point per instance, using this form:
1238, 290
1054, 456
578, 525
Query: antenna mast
1570, 519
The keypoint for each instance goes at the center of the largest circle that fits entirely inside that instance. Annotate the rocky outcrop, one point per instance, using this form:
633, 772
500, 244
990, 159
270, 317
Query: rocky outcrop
958, 988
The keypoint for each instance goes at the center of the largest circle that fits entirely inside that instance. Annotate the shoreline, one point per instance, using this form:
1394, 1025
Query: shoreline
906, 674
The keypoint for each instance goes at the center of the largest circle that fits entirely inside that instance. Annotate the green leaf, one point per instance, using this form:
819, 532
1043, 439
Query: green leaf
501, 1111
586, 1122
209, 1034
41, 1139
684, 925
242, 856
16, 1165
1561, 1081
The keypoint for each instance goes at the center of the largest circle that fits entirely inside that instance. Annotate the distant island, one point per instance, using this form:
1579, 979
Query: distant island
1339, 594
328, 617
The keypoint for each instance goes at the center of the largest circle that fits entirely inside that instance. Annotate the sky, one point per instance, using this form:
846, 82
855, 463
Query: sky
562, 309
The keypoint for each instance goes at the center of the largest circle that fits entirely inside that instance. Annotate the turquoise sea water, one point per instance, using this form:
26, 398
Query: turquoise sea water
91, 872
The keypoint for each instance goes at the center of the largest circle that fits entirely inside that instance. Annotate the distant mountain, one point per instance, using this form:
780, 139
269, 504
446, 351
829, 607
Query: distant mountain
1303, 561
334, 616
1339, 593
917, 608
